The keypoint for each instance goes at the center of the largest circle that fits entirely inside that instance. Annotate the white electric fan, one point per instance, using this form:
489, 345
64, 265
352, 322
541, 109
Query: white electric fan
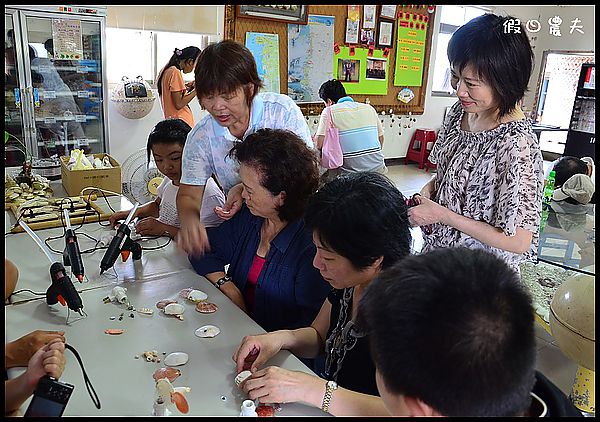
140, 180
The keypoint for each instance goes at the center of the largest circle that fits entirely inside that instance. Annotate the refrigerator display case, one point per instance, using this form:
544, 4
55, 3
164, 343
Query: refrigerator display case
55, 82
581, 138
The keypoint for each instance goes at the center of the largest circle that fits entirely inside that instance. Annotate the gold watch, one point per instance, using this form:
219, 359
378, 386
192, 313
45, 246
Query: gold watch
330, 387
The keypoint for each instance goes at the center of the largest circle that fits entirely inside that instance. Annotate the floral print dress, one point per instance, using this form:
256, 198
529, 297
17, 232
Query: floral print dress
494, 176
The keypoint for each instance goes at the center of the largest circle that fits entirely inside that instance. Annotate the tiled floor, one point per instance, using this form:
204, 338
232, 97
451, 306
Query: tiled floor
550, 360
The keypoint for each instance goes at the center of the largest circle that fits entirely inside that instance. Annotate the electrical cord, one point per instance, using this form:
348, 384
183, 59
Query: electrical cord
565, 267
88, 383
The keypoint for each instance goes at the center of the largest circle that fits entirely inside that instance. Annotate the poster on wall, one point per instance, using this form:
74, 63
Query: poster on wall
310, 57
410, 51
265, 49
361, 73
68, 43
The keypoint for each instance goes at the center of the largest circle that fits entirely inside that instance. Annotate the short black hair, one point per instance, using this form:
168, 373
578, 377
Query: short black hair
224, 67
285, 163
566, 167
361, 216
454, 328
332, 90
168, 131
504, 59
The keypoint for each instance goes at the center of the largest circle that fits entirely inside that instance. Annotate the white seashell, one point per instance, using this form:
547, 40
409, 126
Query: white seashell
146, 311
176, 359
174, 309
197, 296
241, 377
207, 331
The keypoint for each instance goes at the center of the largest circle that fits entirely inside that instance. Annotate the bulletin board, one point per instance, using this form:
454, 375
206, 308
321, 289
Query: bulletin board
382, 95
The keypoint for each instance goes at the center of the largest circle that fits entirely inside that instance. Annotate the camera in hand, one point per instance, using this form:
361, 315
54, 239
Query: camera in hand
50, 398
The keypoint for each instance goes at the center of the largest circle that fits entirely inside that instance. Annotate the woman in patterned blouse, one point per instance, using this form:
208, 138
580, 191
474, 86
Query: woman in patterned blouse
488, 187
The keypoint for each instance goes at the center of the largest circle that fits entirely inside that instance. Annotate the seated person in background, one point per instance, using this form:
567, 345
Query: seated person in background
41, 351
159, 217
451, 333
266, 244
361, 133
360, 228
48, 360
567, 167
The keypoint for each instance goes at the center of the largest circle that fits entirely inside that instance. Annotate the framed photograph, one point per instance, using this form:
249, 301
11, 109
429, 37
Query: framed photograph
386, 33
376, 69
367, 36
348, 70
351, 31
369, 16
297, 14
388, 12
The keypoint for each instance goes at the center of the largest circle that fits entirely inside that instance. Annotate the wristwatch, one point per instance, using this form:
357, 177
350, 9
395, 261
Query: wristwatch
222, 281
330, 387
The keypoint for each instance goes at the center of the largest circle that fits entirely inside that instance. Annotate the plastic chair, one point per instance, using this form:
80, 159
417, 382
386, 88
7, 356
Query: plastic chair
420, 145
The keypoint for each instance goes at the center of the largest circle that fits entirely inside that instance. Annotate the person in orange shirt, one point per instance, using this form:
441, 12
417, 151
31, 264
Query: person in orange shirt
174, 94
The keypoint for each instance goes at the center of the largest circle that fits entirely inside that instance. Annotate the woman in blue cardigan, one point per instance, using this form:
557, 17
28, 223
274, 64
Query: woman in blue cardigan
267, 246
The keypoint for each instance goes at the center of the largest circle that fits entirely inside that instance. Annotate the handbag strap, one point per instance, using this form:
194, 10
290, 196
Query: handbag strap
329, 118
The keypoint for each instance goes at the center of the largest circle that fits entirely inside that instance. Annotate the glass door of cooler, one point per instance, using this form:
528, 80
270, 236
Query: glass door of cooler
14, 120
64, 74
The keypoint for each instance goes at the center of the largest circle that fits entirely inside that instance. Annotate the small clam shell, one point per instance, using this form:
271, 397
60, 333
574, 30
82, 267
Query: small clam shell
197, 296
114, 331
174, 309
170, 373
145, 311
176, 359
207, 331
161, 304
185, 292
206, 307
241, 377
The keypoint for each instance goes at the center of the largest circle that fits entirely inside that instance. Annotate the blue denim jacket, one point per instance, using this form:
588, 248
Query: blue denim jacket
289, 290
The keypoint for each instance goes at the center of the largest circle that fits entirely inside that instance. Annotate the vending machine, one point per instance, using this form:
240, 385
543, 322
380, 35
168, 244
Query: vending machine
581, 138
55, 83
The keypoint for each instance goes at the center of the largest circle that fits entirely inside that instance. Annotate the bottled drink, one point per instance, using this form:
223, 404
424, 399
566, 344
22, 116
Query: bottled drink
548, 191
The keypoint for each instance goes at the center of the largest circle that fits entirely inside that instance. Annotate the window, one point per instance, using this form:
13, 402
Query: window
451, 18
147, 52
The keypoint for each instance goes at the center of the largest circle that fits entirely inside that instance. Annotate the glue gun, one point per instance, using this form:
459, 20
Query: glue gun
62, 289
72, 255
122, 244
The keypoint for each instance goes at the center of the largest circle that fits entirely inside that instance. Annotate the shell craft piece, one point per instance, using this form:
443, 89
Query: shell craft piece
176, 359
174, 309
161, 304
207, 331
241, 377
170, 395
196, 296
169, 373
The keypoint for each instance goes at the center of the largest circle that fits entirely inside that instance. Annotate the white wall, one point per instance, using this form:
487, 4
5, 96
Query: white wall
128, 135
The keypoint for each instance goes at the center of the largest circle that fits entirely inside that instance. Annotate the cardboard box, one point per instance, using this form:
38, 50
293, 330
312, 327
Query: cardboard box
75, 180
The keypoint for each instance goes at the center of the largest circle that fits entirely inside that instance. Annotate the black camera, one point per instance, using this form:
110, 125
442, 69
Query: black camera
50, 398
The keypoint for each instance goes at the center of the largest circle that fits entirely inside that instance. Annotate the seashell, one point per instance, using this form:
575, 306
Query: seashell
145, 311
206, 307
170, 373
161, 304
207, 331
241, 377
176, 359
197, 296
114, 331
185, 292
180, 402
174, 309
265, 411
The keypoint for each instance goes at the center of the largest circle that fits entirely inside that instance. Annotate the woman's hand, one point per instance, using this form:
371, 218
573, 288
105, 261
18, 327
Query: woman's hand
427, 212
48, 360
151, 226
20, 351
120, 215
277, 385
233, 203
255, 351
192, 237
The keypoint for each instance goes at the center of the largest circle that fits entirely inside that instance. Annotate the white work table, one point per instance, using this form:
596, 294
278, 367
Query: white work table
123, 383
